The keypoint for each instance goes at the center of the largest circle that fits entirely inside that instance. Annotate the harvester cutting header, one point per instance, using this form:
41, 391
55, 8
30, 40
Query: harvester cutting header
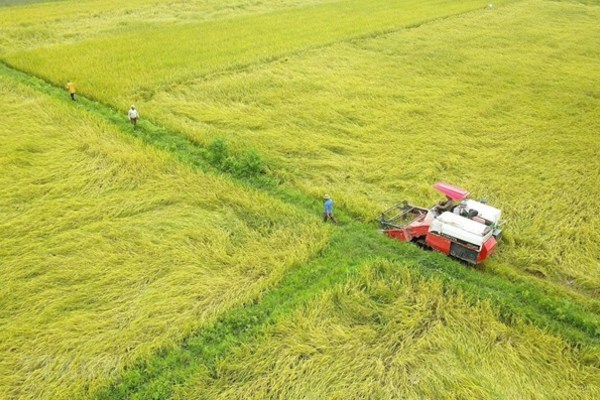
460, 227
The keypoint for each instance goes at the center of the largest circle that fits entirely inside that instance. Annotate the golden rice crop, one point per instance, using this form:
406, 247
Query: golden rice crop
135, 64
389, 334
473, 100
111, 250
45, 24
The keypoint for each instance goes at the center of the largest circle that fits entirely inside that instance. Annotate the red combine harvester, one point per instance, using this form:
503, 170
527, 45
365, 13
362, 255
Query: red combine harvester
462, 228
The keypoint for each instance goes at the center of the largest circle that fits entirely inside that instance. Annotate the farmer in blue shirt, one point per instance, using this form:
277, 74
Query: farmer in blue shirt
328, 209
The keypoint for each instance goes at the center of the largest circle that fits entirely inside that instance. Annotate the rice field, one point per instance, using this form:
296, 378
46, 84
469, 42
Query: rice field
125, 66
47, 23
389, 334
111, 250
136, 266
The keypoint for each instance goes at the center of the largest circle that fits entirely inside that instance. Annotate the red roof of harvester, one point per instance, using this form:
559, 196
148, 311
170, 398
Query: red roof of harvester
455, 193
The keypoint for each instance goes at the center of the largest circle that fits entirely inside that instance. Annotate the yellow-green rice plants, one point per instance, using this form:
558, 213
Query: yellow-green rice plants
135, 64
45, 24
389, 334
110, 250
503, 102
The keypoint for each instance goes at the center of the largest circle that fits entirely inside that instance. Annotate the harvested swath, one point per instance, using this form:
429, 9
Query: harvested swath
389, 334
110, 250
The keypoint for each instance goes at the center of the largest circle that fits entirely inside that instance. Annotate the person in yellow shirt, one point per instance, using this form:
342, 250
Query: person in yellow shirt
71, 88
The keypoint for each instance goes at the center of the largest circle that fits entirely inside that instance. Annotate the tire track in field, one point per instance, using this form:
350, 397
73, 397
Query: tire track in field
351, 245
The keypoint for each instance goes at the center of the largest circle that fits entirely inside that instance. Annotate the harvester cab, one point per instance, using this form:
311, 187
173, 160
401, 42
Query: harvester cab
468, 230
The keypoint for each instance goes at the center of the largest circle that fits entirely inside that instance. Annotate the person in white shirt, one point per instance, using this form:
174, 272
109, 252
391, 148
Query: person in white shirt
133, 116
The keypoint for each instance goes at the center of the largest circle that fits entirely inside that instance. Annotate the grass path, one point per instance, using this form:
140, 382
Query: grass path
574, 318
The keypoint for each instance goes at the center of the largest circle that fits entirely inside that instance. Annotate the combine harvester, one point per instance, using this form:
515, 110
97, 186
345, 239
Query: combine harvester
460, 227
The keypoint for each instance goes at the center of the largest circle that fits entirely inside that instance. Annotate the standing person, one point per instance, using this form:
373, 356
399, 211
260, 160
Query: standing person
71, 88
133, 116
328, 209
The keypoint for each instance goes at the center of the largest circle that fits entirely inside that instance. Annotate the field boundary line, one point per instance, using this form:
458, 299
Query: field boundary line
169, 368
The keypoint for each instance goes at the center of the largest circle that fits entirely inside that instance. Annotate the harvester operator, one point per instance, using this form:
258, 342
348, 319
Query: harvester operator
444, 206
